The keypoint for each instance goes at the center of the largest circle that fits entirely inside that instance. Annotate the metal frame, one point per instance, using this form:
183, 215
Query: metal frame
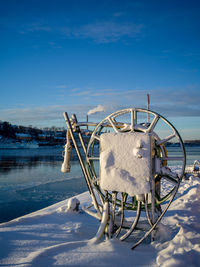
105, 202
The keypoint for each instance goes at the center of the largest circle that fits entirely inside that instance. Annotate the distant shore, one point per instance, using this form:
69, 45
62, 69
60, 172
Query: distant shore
10, 143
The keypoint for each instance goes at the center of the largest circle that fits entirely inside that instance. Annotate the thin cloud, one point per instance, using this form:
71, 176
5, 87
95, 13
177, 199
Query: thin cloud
119, 14
185, 101
169, 102
35, 27
105, 32
100, 32
81, 93
187, 70
49, 115
61, 86
108, 92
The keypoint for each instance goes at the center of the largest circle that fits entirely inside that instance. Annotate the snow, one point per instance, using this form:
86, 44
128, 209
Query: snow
125, 162
59, 236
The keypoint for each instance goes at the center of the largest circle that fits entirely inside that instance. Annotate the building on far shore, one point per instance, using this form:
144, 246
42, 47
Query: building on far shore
23, 136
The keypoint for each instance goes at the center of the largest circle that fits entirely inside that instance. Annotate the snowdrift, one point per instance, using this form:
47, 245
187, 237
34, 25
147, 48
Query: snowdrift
56, 236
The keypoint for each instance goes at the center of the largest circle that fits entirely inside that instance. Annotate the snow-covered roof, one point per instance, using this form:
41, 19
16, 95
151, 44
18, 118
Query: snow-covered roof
23, 135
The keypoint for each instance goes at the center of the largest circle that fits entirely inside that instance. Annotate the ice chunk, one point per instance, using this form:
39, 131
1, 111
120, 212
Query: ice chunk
125, 162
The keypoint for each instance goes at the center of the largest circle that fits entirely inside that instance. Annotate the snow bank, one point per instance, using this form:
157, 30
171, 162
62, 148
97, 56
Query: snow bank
56, 237
184, 247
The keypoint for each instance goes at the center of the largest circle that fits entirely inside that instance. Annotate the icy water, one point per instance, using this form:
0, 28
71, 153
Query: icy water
30, 179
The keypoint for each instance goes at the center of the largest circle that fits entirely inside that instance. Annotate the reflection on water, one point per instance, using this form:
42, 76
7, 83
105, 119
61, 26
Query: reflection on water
30, 179
19, 158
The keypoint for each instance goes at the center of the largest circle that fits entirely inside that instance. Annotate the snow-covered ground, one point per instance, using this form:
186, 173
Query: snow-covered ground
56, 236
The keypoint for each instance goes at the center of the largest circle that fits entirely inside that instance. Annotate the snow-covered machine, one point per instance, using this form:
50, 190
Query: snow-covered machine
126, 163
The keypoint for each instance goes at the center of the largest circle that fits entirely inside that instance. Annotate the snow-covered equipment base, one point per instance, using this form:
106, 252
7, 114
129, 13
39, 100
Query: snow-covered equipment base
127, 163
193, 170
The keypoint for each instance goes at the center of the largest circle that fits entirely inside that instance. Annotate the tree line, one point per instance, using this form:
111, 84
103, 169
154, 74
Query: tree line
8, 130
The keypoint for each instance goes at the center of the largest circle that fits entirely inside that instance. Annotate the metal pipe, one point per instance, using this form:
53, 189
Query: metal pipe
87, 121
135, 222
148, 103
82, 164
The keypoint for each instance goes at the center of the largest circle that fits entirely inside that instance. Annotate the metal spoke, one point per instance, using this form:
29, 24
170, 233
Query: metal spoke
153, 124
133, 119
97, 137
165, 140
113, 125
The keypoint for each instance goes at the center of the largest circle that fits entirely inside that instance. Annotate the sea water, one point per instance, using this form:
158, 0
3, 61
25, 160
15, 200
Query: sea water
30, 179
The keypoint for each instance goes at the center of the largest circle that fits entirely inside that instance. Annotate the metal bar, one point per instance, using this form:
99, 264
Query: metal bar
82, 141
86, 124
97, 137
135, 116
165, 140
148, 103
123, 199
93, 158
80, 124
79, 133
113, 125
132, 120
158, 219
153, 124
114, 198
82, 164
146, 210
135, 222
172, 158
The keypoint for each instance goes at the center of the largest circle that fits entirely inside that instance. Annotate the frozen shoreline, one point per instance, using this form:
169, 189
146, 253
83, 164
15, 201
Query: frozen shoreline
55, 237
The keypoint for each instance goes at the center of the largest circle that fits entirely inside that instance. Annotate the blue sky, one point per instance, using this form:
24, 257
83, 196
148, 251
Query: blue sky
71, 56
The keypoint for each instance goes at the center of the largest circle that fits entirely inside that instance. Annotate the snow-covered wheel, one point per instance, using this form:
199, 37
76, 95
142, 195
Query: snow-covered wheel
166, 180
